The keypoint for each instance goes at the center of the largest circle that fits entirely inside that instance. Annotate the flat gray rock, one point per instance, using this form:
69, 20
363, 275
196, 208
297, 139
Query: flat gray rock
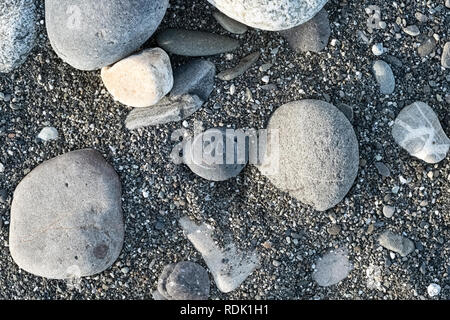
417, 130
195, 43
445, 58
17, 32
229, 24
240, 69
271, 15
196, 78
312, 153
184, 281
169, 109
396, 243
332, 268
427, 46
384, 77
313, 35
66, 217
215, 155
90, 35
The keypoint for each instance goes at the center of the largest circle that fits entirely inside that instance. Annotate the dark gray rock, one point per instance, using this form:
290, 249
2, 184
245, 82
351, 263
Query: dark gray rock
384, 76
17, 32
90, 35
396, 243
169, 109
184, 281
240, 69
195, 78
310, 36
215, 155
229, 24
66, 217
316, 157
383, 170
195, 43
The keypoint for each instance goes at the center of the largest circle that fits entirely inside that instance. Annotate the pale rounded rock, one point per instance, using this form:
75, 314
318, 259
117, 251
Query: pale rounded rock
140, 80
66, 217
312, 153
384, 76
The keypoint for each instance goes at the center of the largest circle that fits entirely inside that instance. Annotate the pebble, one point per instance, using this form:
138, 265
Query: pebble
195, 43
18, 32
334, 230
434, 290
310, 36
412, 30
426, 47
396, 243
3, 196
421, 17
384, 76
229, 24
378, 49
332, 268
2, 168
388, 211
316, 127
90, 35
270, 15
445, 58
240, 69
141, 80
184, 281
66, 217
383, 170
48, 134
417, 130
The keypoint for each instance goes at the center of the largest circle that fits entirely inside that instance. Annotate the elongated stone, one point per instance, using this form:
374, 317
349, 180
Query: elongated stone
229, 24
240, 69
384, 76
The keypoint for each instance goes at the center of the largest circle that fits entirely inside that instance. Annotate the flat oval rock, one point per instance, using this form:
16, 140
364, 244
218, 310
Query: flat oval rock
312, 153
384, 76
195, 43
271, 15
90, 35
66, 217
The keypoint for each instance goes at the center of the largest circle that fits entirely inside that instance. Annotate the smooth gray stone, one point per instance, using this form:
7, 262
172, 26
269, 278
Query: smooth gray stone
396, 243
310, 36
17, 32
169, 109
388, 211
240, 69
199, 155
316, 157
271, 15
90, 35
384, 76
383, 169
417, 130
229, 24
66, 217
195, 43
184, 281
195, 78
445, 58
427, 46
332, 268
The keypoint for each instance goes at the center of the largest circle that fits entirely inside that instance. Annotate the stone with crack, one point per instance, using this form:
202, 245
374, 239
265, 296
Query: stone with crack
66, 217
229, 266
417, 130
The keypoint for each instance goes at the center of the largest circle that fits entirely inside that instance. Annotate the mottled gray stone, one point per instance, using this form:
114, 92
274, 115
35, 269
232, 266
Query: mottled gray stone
427, 46
271, 15
384, 76
196, 78
417, 130
17, 32
310, 36
388, 211
316, 157
90, 35
332, 268
195, 43
169, 109
445, 58
240, 69
184, 281
383, 169
208, 156
412, 30
229, 24
396, 243
66, 217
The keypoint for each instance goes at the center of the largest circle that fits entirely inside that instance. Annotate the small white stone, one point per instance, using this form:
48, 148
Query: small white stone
48, 133
378, 49
265, 79
232, 89
2, 168
412, 30
434, 290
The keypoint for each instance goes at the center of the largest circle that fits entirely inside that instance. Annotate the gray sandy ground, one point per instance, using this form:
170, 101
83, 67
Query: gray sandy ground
247, 209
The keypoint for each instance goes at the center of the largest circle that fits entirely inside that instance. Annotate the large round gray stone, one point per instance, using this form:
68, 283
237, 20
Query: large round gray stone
272, 15
312, 153
66, 217
90, 35
17, 32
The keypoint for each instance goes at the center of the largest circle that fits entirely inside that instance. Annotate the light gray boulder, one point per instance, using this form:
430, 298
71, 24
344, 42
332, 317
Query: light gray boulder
66, 217
417, 130
271, 15
90, 35
312, 153
17, 32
